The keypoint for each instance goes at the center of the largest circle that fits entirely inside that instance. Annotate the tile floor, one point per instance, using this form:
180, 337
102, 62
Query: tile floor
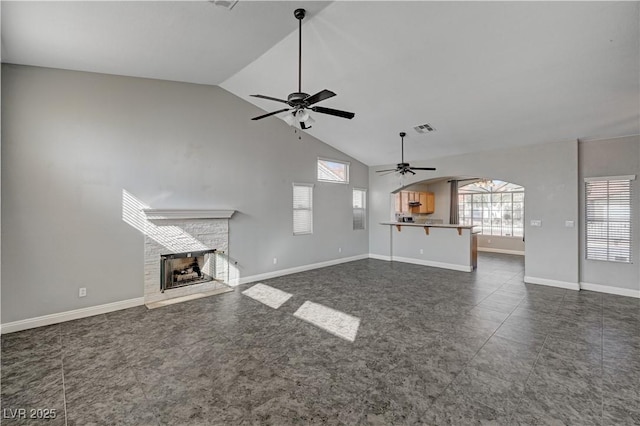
433, 347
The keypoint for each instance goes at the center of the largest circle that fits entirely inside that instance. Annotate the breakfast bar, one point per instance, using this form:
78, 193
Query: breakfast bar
439, 245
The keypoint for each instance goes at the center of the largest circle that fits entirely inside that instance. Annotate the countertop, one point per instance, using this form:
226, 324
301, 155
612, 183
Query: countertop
431, 225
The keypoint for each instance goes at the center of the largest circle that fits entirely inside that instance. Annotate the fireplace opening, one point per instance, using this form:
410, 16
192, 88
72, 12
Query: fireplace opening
188, 268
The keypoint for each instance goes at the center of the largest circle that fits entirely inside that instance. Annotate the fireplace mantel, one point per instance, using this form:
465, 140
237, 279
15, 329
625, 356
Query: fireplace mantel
172, 214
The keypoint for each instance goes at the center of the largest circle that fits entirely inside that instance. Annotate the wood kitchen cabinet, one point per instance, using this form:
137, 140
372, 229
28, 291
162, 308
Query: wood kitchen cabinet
426, 200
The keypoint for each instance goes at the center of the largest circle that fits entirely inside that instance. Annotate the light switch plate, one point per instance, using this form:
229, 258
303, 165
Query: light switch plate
536, 222
569, 223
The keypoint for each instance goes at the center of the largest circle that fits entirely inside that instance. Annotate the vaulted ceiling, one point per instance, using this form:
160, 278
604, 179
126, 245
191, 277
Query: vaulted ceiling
485, 75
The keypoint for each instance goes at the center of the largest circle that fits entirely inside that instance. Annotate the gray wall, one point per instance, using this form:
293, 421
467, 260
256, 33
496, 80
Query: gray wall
613, 157
498, 242
73, 141
549, 172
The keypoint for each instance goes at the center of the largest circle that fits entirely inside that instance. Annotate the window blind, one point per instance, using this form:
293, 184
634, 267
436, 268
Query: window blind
608, 219
359, 208
302, 209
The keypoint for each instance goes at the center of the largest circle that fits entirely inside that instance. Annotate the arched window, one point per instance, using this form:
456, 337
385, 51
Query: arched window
493, 206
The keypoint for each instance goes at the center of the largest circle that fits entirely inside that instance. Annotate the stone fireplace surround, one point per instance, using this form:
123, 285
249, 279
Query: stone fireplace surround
178, 231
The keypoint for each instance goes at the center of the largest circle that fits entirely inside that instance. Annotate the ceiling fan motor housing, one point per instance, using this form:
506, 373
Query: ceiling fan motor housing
297, 99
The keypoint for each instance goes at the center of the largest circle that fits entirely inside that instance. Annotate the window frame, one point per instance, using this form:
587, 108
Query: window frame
346, 164
295, 208
479, 204
363, 209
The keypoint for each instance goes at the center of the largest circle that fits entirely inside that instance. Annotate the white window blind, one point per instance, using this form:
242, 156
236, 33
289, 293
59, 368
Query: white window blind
359, 208
608, 218
333, 171
302, 209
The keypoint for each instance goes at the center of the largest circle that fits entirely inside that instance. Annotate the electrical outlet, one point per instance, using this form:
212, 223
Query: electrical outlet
275, 260
421, 251
339, 249
82, 292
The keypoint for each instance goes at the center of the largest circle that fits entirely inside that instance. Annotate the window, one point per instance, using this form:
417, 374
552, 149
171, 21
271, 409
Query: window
608, 218
494, 207
333, 171
302, 208
359, 208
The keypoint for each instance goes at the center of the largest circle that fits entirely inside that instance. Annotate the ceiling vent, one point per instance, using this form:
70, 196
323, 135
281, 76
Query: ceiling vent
424, 128
227, 4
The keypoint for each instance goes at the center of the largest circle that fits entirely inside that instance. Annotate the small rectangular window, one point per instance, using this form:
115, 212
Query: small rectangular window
359, 208
333, 171
302, 208
608, 218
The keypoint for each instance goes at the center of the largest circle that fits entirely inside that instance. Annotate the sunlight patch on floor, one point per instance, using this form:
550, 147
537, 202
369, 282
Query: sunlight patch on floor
335, 322
270, 296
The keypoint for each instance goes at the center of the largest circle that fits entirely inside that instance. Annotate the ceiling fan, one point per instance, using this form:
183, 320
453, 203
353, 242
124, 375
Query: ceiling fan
299, 101
403, 167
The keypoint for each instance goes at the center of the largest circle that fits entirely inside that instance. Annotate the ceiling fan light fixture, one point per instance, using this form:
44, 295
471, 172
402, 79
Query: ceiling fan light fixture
289, 118
303, 116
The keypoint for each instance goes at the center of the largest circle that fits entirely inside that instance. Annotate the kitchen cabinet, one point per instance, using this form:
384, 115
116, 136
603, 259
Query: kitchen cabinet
425, 199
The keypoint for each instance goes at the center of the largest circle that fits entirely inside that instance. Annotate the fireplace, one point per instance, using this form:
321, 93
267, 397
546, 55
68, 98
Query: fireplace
188, 268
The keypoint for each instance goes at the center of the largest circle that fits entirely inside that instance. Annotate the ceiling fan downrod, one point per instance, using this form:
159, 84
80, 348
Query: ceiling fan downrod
299, 14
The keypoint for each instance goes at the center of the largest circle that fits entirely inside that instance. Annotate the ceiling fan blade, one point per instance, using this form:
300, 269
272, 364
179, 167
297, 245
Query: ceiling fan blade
270, 114
422, 168
336, 112
388, 170
411, 171
320, 96
270, 98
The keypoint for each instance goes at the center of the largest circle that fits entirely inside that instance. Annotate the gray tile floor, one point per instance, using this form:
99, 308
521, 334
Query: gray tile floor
433, 347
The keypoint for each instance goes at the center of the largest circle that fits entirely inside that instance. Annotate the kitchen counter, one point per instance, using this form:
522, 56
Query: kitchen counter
431, 225
437, 246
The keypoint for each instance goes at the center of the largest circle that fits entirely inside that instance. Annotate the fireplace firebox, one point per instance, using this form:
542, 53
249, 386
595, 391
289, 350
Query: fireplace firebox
188, 268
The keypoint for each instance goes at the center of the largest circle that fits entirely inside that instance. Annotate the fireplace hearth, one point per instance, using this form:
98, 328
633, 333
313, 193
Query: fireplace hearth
188, 268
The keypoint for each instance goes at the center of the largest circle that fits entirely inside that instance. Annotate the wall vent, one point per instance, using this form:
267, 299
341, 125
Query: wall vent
227, 4
424, 128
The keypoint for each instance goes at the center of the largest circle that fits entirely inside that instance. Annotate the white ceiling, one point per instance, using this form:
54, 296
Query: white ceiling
192, 41
484, 74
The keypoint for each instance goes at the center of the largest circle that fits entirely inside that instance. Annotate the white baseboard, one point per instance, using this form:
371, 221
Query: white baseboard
454, 266
294, 270
503, 251
610, 290
379, 257
69, 315
552, 283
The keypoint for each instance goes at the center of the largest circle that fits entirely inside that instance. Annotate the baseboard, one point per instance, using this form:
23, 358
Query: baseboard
69, 315
552, 283
610, 290
379, 257
502, 251
453, 266
294, 270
